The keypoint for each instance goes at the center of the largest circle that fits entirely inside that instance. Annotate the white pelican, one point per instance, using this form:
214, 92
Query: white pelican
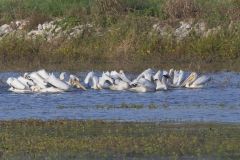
147, 81
121, 82
175, 77
161, 84
51, 84
37, 79
147, 74
189, 80
178, 77
105, 81
92, 80
143, 85
171, 75
26, 82
119, 85
199, 82
124, 77
57, 83
43, 73
73, 81
17, 86
181, 76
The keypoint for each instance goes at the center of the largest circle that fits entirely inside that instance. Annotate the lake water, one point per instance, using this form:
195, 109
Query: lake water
219, 101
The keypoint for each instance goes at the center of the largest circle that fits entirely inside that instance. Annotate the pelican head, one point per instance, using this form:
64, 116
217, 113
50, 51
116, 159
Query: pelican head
121, 72
26, 75
191, 78
74, 81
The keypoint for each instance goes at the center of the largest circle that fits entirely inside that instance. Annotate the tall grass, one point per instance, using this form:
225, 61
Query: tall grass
22, 9
129, 44
216, 11
126, 40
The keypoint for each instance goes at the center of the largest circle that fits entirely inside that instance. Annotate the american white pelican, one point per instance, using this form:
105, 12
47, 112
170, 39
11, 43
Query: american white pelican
105, 81
121, 82
181, 76
119, 85
161, 84
190, 79
43, 73
171, 75
73, 81
143, 85
26, 82
199, 82
124, 77
147, 74
177, 78
37, 79
57, 83
158, 75
17, 86
147, 81
44, 82
92, 80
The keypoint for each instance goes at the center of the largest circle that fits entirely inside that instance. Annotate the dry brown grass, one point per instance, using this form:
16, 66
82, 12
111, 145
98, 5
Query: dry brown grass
35, 19
181, 9
234, 12
113, 7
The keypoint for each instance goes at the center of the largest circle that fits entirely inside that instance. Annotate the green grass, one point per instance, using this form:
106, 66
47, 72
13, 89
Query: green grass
33, 139
18, 9
215, 11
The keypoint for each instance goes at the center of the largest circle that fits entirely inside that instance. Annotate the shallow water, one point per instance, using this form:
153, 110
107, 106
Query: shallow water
219, 101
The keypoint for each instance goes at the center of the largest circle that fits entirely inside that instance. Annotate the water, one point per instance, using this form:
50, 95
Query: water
218, 102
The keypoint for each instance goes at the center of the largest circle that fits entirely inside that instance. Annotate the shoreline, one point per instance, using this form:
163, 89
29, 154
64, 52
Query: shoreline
76, 67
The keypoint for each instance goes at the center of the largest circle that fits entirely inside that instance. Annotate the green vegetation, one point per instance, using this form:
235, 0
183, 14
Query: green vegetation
216, 11
123, 36
33, 139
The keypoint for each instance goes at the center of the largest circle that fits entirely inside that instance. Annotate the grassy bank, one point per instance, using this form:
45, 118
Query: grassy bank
62, 139
123, 36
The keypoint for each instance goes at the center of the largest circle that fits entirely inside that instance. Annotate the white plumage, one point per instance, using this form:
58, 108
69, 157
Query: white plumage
147, 81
